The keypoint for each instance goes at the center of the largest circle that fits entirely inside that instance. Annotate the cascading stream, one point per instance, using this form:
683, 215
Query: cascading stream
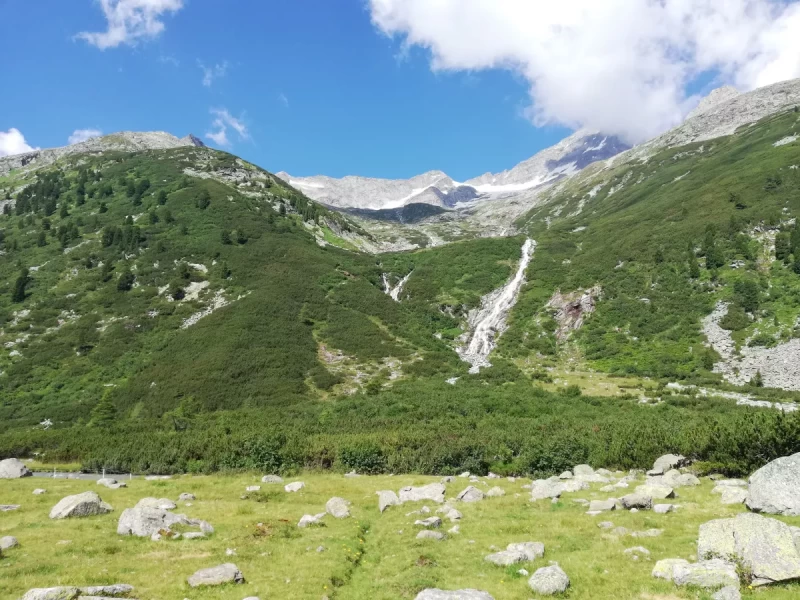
489, 322
394, 292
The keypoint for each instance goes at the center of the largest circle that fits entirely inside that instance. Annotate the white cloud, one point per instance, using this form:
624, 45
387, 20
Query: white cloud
13, 142
211, 73
621, 66
167, 59
223, 120
130, 21
283, 99
81, 135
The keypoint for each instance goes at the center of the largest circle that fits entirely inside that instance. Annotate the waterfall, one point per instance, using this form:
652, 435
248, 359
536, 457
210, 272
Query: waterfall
489, 321
394, 292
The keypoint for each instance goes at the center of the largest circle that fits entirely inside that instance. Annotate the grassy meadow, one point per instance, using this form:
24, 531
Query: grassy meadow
370, 556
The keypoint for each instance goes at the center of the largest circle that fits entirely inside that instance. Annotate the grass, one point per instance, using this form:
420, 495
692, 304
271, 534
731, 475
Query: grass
369, 556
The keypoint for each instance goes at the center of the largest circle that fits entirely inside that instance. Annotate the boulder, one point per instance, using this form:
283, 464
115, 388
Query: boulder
582, 471
12, 468
516, 553
427, 534
665, 569
637, 500
309, 520
764, 547
193, 535
545, 488
496, 492
663, 509
55, 593
118, 589
637, 552
8, 542
186, 497
470, 494
669, 461
674, 478
339, 508
722, 484
733, 495
531, 550
433, 492
706, 574
8, 507
647, 533
775, 487
566, 475
146, 521
598, 506
111, 483
728, 593
548, 581
227, 573
431, 522
39, 492
452, 514
159, 503
573, 485
660, 492
86, 504
271, 479
294, 487
387, 498
253, 488
436, 594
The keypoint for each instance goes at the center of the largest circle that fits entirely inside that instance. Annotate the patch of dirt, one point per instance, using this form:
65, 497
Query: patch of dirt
571, 309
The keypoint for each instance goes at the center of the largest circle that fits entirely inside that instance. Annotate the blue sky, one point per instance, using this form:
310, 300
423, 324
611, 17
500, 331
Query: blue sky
319, 88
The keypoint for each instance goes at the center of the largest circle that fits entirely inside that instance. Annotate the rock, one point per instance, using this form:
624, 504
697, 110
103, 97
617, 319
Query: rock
543, 488
548, 581
669, 461
764, 547
86, 504
294, 487
309, 520
674, 478
608, 489
619, 531
427, 534
39, 492
157, 477
253, 488
573, 485
660, 492
111, 483
496, 492
721, 484
647, 533
470, 494
12, 468
566, 475
436, 594
351, 475
118, 589
433, 492
728, 593
775, 487
159, 503
455, 529
706, 574
271, 479
516, 553
194, 535
147, 521
637, 500
733, 495
665, 569
663, 509
56, 593
227, 573
605, 525
492, 476
636, 552
505, 558
434, 522
598, 506
339, 508
186, 497
583, 471
531, 550
387, 498
448, 479
465, 474
8, 542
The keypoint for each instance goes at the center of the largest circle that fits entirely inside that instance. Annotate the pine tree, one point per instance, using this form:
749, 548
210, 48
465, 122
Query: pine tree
162, 197
41, 241
694, 266
757, 380
18, 293
104, 413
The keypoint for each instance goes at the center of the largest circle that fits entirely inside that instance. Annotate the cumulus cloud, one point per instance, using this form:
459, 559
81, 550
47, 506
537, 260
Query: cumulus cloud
130, 21
81, 135
223, 121
13, 142
212, 73
621, 66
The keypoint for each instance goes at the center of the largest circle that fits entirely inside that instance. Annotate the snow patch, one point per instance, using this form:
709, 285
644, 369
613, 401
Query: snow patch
791, 139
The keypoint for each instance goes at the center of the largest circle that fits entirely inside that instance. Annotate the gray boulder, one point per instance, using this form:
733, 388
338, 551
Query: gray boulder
662, 509
86, 504
8, 542
111, 483
733, 495
598, 506
764, 547
660, 492
531, 550
427, 534
271, 479
638, 500
435, 594
39, 492
55, 593
146, 521
582, 471
669, 461
159, 503
12, 468
186, 497
8, 507
728, 593
294, 487
706, 574
516, 553
227, 573
387, 498
430, 522
548, 581
775, 487
118, 589
566, 475
496, 492
339, 508
309, 520
470, 494
674, 478
433, 492
665, 569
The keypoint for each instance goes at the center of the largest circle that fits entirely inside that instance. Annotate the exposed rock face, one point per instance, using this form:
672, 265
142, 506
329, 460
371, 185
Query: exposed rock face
435, 594
86, 504
433, 492
775, 487
572, 309
11, 468
764, 547
548, 581
387, 498
227, 573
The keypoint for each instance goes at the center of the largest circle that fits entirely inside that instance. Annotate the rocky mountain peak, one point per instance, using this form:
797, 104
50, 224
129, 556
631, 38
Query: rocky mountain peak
714, 98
